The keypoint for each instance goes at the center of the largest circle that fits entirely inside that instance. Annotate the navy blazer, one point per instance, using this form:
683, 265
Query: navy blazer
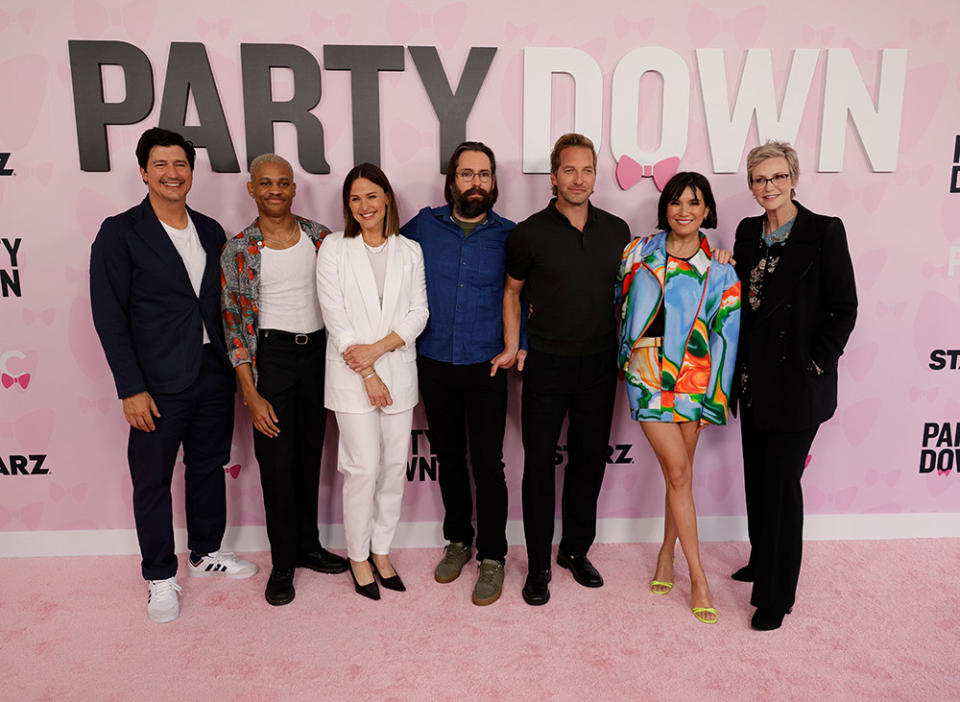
145, 310
806, 315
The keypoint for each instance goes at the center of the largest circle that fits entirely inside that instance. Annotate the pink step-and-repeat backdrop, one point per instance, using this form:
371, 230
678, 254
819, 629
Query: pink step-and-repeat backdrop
869, 93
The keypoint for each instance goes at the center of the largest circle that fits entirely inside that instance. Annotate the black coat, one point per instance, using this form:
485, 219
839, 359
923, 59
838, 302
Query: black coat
808, 309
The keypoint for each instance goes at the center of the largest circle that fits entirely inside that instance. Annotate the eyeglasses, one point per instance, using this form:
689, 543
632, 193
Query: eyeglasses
778, 179
467, 175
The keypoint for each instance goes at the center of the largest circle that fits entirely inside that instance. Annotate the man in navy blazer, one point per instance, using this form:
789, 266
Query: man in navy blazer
155, 295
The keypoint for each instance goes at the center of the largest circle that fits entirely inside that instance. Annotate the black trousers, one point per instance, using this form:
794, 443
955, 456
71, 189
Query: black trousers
200, 418
554, 387
462, 401
773, 463
290, 377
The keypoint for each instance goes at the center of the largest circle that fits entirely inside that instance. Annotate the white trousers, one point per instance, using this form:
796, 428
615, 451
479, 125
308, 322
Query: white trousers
372, 456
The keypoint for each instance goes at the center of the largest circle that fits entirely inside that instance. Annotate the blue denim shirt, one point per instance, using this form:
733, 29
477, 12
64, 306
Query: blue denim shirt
464, 285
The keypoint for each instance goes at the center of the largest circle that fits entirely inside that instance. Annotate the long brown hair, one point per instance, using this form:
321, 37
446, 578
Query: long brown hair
391, 221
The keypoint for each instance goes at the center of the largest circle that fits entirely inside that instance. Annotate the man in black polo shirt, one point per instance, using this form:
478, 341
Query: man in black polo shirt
565, 258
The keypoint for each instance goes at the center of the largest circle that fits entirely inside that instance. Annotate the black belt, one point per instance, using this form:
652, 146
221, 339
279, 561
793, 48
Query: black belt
298, 339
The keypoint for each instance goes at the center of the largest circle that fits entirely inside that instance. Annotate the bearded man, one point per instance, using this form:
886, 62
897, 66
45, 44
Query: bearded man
459, 359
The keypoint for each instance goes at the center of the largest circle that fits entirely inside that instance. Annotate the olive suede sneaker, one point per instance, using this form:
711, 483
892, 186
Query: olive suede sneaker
455, 556
489, 582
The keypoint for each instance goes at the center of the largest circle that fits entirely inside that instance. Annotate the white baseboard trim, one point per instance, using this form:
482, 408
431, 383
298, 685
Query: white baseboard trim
252, 539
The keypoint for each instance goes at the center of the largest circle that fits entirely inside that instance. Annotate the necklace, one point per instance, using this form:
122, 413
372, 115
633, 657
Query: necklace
284, 242
675, 245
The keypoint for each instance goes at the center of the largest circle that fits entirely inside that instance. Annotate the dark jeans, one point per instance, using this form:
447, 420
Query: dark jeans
584, 388
290, 378
200, 418
772, 467
462, 401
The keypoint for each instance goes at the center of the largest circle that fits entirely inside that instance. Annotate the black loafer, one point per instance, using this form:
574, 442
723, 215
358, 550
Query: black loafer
582, 569
280, 587
535, 590
744, 575
322, 561
370, 590
768, 618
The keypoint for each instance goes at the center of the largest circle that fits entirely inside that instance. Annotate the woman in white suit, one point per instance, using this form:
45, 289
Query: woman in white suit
370, 283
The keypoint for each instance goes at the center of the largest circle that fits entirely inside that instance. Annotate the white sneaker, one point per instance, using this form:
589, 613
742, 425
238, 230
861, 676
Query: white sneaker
222, 563
163, 603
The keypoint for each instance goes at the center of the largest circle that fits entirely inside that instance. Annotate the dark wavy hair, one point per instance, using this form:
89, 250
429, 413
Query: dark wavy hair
391, 221
454, 162
674, 189
157, 136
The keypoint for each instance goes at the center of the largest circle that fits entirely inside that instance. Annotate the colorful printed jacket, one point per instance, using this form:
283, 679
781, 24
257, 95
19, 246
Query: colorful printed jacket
240, 289
690, 377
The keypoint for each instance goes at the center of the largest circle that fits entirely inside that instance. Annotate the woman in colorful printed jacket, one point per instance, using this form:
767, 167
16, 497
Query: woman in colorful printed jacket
678, 348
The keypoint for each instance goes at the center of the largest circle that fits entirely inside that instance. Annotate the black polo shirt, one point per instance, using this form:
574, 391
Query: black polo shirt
569, 278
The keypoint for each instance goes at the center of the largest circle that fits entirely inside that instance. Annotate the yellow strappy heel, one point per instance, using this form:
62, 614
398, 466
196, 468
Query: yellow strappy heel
698, 612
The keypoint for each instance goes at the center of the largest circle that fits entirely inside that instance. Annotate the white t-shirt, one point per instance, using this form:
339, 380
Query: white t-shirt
187, 243
288, 288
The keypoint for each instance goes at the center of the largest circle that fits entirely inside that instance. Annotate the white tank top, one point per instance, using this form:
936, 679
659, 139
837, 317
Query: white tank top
288, 289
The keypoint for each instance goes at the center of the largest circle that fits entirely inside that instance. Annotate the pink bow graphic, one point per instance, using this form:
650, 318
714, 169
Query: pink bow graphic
221, 27
339, 25
629, 172
30, 515
46, 316
704, 25
23, 17
233, 471
7, 380
639, 30
528, 31
58, 492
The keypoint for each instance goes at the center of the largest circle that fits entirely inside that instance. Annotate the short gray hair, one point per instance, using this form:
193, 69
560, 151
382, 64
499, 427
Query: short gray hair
774, 149
268, 158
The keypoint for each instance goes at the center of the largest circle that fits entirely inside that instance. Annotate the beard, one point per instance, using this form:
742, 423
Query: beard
466, 205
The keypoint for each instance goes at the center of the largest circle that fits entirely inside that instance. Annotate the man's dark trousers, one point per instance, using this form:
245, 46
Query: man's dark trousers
553, 387
461, 400
291, 380
201, 418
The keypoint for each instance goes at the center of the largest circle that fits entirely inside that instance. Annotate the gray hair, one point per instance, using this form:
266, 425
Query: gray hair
268, 158
774, 149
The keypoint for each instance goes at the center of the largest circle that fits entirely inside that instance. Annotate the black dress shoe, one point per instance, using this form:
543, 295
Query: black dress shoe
322, 561
392, 583
745, 574
582, 569
768, 618
369, 590
535, 590
280, 587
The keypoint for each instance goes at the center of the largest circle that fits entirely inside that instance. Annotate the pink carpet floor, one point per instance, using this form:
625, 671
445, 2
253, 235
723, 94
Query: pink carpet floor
873, 621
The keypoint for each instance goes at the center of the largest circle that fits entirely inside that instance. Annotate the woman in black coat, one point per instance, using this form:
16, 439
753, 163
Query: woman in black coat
799, 307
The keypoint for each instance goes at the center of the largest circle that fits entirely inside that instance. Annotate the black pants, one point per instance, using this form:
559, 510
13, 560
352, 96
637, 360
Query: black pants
462, 401
290, 377
584, 388
773, 463
200, 418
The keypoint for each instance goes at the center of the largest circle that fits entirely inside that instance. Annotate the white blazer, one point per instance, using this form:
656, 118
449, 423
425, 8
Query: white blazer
351, 310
